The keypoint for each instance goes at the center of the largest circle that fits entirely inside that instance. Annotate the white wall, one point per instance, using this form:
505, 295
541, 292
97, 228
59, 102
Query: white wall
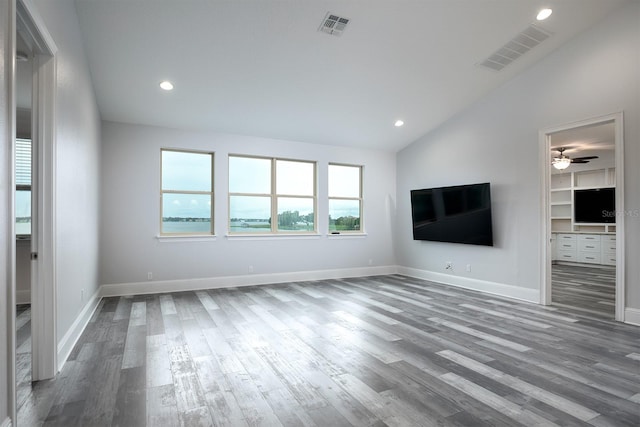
496, 140
131, 201
77, 166
6, 207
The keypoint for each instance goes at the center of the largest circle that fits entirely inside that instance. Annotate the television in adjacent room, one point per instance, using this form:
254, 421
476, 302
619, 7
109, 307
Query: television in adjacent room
594, 206
457, 214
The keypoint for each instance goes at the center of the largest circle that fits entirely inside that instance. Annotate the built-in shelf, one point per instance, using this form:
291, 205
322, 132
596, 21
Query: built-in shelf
562, 189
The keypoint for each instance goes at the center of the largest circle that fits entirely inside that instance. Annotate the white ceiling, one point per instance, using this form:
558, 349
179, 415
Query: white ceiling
261, 67
594, 140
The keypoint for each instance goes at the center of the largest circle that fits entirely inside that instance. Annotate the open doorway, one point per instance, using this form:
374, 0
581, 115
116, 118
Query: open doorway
35, 83
584, 247
23, 196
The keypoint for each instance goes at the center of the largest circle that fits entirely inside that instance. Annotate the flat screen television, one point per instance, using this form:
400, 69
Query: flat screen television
458, 214
594, 206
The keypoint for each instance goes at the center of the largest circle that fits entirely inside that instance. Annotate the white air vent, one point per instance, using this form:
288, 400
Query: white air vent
333, 24
522, 43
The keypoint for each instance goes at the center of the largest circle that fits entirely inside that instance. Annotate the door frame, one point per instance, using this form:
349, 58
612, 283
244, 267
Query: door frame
545, 185
43, 239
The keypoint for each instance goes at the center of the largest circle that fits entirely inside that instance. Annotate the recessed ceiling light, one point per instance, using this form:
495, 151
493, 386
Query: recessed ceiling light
398, 123
166, 85
544, 14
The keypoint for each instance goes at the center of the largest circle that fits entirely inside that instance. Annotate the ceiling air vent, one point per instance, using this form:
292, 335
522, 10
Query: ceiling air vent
522, 43
333, 24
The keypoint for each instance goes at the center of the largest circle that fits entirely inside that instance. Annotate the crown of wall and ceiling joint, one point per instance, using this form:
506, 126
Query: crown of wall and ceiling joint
522, 43
333, 24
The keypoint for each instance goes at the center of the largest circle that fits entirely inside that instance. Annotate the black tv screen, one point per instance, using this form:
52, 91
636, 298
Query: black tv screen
595, 206
458, 214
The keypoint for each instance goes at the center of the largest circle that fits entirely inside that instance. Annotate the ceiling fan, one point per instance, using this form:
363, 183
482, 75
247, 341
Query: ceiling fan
563, 161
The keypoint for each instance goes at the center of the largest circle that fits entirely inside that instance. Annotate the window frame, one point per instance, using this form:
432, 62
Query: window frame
360, 198
211, 195
273, 197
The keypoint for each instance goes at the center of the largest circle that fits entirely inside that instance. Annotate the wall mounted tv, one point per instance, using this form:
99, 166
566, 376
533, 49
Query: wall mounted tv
458, 214
595, 206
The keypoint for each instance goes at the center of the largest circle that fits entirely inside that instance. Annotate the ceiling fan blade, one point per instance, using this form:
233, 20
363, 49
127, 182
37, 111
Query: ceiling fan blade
579, 161
585, 158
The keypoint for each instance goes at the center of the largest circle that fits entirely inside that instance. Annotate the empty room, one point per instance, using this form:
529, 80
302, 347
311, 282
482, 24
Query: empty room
319, 213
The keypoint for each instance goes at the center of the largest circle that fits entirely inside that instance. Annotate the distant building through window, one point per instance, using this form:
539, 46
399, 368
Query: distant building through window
263, 189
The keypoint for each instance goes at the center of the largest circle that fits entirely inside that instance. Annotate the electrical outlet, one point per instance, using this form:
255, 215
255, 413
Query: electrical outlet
82, 295
149, 276
468, 267
250, 269
370, 261
449, 266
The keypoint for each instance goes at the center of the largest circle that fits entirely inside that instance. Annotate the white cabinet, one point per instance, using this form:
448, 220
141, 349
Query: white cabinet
567, 249
585, 248
589, 248
609, 250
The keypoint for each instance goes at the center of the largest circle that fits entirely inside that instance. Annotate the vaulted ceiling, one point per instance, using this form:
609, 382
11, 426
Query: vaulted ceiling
261, 67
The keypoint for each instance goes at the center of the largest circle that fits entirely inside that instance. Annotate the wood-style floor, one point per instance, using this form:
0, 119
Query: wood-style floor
584, 289
375, 351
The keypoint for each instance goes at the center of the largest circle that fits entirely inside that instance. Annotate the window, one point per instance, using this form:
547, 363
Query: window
186, 200
23, 188
263, 188
345, 198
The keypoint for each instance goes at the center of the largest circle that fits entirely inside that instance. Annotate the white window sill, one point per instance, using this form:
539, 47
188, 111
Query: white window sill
302, 236
186, 238
346, 235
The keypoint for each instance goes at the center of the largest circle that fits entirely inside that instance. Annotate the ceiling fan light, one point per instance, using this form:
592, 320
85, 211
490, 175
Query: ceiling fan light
561, 163
544, 14
166, 85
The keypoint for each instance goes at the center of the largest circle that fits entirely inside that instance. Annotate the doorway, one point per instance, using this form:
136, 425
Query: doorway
23, 216
35, 104
583, 246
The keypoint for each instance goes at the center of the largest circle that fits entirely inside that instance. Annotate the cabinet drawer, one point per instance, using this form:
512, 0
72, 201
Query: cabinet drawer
609, 247
609, 239
566, 237
567, 255
589, 257
589, 246
589, 238
566, 245
609, 259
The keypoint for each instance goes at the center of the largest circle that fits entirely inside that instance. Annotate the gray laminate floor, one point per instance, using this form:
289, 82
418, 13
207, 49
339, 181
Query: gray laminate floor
584, 290
388, 350
23, 353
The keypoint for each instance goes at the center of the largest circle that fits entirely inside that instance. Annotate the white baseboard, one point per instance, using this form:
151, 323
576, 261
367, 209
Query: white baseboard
6, 422
71, 337
632, 316
152, 287
23, 296
509, 291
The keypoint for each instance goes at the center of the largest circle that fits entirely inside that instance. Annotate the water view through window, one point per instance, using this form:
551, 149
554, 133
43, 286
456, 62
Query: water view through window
187, 194
261, 189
